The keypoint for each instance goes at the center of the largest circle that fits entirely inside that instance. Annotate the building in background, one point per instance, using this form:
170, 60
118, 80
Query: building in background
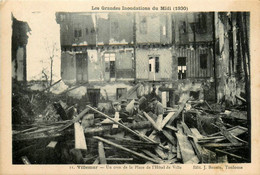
120, 50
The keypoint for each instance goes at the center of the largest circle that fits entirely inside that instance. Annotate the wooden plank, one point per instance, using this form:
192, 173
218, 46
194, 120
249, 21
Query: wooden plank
237, 130
80, 140
25, 160
171, 128
52, 144
220, 145
123, 126
226, 133
152, 155
164, 100
178, 151
240, 98
119, 159
117, 119
101, 153
186, 129
171, 155
169, 137
204, 155
126, 149
96, 161
160, 153
176, 114
186, 149
230, 154
152, 122
167, 118
196, 133
130, 106
75, 119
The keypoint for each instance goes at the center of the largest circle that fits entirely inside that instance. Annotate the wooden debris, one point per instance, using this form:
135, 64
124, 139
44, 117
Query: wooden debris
25, 160
101, 152
219, 145
230, 154
80, 140
178, 152
156, 127
96, 161
75, 119
126, 149
160, 152
116, 118
119, 159
169, 137
226, 133
171, 128
188, 155
52, 144
237, 130
123, 126
166, 119
151, 155
240, 98
176, 114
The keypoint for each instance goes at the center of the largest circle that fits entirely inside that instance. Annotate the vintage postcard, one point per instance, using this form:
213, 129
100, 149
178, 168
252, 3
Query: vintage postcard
129, 87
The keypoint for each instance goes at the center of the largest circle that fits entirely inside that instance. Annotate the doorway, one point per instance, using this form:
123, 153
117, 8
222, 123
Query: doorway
81, 67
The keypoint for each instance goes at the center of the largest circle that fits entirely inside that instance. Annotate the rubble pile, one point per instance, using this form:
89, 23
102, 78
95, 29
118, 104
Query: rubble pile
192, 132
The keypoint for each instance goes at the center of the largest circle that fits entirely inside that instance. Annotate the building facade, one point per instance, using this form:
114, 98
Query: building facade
121, 49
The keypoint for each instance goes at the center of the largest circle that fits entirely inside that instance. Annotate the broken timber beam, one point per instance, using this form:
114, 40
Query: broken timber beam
166, 119
122, 125
126, 149
176, 114
226, 133
152, 122
75, 119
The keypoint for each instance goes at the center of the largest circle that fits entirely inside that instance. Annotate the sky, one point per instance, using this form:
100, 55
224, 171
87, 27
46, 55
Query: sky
44, 36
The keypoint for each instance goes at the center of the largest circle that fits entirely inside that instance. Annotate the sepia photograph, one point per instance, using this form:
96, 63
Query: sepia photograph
131, 87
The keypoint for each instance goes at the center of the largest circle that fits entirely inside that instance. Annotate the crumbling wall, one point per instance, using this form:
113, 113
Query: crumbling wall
68, 67
229, 59
165, 63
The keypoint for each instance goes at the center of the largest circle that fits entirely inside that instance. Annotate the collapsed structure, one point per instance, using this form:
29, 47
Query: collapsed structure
196, 64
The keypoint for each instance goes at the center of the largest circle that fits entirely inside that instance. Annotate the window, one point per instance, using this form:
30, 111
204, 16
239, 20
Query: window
203, 61
120, 92
154, 65
77, 33
182, 68
143, 25
110, 65
86, 31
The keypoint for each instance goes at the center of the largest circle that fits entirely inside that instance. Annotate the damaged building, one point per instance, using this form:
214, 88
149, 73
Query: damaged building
195, 66
123, 50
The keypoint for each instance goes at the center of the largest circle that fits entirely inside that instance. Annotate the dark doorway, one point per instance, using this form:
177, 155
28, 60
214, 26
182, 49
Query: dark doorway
81, 67
93, 96
112, 69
